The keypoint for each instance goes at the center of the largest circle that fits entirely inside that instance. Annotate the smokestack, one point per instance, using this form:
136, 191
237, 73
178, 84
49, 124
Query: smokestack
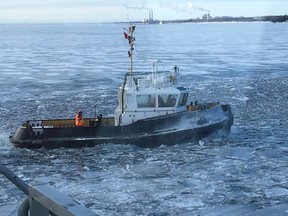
150, 15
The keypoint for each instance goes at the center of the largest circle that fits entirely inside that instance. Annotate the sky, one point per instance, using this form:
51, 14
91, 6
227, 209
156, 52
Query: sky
79, 11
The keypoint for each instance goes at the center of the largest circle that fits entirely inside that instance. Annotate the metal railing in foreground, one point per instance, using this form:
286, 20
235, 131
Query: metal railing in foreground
44, 200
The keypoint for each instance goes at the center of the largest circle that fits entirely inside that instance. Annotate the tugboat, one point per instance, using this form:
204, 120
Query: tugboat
152, 111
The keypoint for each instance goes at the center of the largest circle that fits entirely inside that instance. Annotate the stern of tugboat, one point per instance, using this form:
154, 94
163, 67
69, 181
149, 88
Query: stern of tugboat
228, 112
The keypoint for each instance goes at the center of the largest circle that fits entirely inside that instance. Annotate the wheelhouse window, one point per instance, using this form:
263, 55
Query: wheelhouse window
167, 100
145, 101
183, 99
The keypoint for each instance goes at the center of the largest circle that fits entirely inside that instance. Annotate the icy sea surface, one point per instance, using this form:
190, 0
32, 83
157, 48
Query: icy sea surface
51, 71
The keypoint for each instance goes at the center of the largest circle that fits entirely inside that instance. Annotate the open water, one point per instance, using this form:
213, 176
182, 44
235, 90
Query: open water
52, 70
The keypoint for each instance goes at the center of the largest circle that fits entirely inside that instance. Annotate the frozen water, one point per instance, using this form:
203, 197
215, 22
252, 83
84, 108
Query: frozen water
82, 65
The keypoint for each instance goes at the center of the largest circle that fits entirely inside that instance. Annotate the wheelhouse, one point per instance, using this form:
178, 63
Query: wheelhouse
146, 96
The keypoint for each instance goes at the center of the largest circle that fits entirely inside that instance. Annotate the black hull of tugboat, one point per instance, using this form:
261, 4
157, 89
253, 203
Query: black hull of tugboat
168, 130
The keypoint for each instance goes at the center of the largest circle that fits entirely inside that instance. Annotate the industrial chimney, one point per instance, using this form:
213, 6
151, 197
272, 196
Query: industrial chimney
150, 15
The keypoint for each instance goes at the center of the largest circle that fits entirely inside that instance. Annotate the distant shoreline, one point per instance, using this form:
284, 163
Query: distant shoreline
223, 19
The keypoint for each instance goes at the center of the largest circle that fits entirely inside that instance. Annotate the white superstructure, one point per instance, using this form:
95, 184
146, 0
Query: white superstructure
147, 95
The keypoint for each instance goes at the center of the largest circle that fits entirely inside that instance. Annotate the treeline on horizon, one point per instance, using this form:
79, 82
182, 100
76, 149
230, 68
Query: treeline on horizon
275, 19
205, 18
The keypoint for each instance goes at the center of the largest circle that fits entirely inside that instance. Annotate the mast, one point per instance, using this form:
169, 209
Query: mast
131, 40
128, 34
